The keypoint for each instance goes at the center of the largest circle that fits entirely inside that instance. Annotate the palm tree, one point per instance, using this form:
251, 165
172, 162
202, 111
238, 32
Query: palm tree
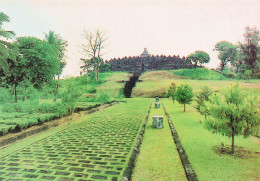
5, 47
60, 45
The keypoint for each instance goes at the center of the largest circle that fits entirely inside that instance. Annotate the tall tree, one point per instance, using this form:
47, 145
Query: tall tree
16, 73
5, 47
232, 112
250, 48
60, 45
199, 57
227, 53
93, 49
42, 59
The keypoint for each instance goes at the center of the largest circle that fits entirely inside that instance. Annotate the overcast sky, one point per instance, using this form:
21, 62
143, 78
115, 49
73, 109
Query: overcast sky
169, 27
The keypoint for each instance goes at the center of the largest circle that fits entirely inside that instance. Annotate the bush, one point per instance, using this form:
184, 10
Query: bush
70, 98
23, 107
6, 96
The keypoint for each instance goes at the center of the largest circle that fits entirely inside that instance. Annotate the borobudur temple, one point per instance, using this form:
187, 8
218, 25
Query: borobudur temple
147, 62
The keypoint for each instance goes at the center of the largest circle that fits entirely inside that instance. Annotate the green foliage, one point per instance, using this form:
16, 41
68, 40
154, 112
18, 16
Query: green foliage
60, 46
184, 94
227, 53
105, 67
23, 107
248, 74
199, 57
201, 97
70, 98
5, 95
171, 91
41, 60
250, 49
200, 74
5, 47
233, 112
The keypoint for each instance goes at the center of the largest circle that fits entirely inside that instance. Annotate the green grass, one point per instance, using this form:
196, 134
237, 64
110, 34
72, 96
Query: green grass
158, 158
108, 88
199, 142
100, 145
200, 74
157, 82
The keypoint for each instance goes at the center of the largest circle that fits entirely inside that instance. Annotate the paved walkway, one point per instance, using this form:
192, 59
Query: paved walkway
96, 149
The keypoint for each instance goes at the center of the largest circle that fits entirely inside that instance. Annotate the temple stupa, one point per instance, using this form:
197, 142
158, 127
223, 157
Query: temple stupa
145, 53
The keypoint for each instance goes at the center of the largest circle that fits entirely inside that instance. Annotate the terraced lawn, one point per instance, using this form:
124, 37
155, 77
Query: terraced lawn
98, 148
158, 159
200, 144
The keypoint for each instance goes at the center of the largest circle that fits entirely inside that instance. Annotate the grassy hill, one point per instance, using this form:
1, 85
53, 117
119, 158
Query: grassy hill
156, 83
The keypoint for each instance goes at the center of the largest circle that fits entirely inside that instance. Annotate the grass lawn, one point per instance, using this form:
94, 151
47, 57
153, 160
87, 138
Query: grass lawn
158, 158
157, 82
198, 143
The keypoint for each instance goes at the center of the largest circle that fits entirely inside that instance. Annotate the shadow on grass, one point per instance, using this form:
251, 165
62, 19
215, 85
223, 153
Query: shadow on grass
240, 152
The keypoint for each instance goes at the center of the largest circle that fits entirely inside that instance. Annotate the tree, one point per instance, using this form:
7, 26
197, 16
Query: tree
199, 57
248, 74
60, 45
171, 91
232, 112
184, 94
87, 67
17, 71
41, 60
5, 47
105, 67
227, 53
250, 49
201, 97
93, 47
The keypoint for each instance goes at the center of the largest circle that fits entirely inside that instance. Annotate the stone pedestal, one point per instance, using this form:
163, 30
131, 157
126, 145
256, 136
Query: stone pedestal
157, 105
157, 121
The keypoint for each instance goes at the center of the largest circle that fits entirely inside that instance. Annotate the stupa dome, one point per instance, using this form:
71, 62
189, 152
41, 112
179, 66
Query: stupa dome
145, 53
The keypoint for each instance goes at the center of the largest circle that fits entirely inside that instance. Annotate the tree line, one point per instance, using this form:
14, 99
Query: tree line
29, 60
242, 56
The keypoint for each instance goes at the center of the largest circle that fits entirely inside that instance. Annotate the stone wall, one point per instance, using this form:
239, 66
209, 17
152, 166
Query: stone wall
141, 64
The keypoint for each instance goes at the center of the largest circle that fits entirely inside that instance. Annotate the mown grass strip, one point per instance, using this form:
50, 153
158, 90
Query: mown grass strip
200, 144
190, 174
158, 158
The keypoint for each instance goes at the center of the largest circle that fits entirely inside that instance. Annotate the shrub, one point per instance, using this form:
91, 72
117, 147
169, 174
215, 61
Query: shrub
201, 97
70, 98
5, 96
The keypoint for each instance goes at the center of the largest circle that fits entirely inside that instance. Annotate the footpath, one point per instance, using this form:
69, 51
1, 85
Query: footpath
158, 158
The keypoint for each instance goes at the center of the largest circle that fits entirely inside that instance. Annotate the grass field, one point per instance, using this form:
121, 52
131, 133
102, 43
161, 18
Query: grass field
158, 158
156, 84
19, 116
98, 148
200, 74
199, 145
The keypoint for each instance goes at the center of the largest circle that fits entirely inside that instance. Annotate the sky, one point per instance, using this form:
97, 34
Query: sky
168, 27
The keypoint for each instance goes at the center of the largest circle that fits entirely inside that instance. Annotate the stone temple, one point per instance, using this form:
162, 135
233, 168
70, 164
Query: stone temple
147, 62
